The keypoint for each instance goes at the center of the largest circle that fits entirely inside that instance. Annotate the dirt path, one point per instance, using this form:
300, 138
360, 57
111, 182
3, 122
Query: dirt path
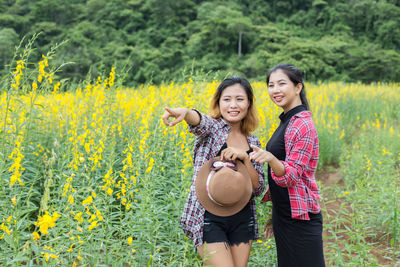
332, 206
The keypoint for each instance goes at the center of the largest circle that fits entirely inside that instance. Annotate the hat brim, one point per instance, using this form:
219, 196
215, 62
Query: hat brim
214, 208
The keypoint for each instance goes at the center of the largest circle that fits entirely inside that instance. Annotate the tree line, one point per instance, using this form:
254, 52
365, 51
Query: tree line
162, 40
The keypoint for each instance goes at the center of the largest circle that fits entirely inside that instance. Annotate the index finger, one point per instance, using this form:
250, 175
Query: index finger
255, 148
169, 110
165, 118
222, 155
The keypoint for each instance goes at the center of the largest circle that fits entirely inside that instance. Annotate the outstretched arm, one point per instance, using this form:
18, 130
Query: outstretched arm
180, 114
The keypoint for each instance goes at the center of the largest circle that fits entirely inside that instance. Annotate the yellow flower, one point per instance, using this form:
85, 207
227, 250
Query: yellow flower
79, 256
48, 255
16, 167
5, 229
130, 239
93, 217
46, 221
35, 236
98, 214
71, 247
151, 164
56, 215
71, 199
109, 191
93, 225
78, 217
56, 87
87, 201
112, 77
87, 147
34, 86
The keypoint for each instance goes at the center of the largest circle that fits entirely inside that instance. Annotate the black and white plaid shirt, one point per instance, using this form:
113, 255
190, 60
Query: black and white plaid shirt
211, 134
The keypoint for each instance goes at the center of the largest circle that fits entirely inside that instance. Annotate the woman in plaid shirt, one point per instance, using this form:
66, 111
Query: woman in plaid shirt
292, 156
226, 133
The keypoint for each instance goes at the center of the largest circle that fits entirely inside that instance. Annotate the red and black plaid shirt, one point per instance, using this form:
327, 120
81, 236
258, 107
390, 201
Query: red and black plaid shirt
302, 148
211, 135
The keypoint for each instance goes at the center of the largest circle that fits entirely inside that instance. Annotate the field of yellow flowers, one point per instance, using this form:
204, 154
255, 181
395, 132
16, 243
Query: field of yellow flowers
91, 176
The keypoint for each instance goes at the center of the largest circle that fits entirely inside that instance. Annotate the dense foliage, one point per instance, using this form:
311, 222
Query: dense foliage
163, 40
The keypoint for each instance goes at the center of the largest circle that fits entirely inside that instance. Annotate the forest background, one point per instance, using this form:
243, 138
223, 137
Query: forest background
158, 41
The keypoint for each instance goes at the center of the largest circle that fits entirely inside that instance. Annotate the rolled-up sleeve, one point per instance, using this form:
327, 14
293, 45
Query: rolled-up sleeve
204, 128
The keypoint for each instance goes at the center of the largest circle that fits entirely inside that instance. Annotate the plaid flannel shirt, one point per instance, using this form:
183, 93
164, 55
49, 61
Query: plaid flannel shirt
302, 148
211, 135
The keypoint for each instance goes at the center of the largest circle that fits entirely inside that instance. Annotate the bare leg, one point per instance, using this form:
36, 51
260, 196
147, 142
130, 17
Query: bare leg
241, 253
216, 254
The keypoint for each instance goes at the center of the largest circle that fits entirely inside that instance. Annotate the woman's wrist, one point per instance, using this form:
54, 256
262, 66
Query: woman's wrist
192, 117
277, 167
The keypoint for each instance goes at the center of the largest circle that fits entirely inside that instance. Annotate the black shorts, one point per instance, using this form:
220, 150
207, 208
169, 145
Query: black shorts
233, 230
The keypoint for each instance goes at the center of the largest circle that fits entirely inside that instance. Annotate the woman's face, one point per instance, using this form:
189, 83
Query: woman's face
282, 91
234, 103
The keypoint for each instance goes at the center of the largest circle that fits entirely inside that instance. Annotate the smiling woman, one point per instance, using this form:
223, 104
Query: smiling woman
222, 240
292, 155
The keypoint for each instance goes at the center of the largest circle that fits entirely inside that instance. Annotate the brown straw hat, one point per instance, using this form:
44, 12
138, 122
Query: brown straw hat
229, 187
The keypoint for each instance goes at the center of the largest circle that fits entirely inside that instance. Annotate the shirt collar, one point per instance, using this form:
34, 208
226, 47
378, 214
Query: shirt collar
286, 116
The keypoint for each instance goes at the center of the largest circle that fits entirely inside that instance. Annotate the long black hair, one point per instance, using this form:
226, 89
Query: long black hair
295, 75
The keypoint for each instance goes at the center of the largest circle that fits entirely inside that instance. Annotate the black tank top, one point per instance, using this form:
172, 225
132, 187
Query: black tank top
226, 146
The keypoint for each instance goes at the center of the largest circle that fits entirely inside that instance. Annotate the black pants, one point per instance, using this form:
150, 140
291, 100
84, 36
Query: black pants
299, 242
